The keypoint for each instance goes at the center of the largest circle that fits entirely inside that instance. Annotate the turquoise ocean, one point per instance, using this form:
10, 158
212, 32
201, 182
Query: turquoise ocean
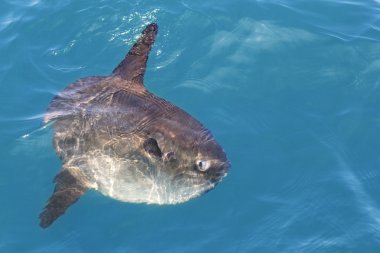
290, 89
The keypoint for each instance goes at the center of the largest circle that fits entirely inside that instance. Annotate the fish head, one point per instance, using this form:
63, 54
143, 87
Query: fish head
187, 153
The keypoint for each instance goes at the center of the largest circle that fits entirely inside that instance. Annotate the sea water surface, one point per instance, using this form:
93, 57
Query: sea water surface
290, 88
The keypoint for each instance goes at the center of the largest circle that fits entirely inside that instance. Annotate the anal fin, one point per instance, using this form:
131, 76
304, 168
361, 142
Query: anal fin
67, 191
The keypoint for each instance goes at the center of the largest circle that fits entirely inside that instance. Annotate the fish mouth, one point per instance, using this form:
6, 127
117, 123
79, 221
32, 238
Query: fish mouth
217, 174
181, 184
212, 176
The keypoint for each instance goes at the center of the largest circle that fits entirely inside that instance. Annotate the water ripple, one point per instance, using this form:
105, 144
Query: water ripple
364, 202
9, 19
236, 48
125, 29
66, 69
354, 23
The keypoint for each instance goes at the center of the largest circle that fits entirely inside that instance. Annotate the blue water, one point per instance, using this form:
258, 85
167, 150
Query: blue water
289, 88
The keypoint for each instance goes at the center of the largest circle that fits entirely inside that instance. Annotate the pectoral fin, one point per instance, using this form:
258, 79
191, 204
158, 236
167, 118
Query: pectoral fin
151, 146
68, 190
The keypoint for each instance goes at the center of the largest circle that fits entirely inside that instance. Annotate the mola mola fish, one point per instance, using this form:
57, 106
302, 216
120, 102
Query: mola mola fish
116, 137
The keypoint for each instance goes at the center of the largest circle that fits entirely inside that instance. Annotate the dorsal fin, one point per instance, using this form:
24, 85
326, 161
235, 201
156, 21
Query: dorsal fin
132, 68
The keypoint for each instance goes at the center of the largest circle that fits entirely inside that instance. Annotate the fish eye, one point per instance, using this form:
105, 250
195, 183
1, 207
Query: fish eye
202, 165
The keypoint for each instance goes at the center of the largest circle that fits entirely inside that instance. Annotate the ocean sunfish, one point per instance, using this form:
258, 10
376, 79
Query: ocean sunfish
116, 137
